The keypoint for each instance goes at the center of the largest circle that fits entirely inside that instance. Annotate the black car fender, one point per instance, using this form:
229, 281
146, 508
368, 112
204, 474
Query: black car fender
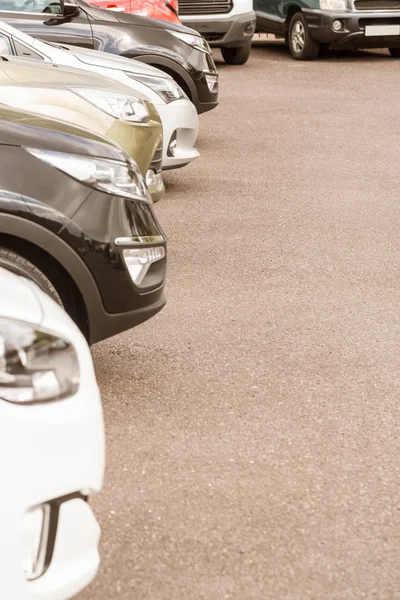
29, 231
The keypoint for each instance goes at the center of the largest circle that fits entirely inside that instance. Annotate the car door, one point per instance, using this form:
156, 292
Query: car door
269, 15
45, 20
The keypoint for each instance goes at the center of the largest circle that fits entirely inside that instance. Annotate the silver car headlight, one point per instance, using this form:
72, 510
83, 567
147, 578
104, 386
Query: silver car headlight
167, 89
110, 176
196, 41
120, 106
35, 365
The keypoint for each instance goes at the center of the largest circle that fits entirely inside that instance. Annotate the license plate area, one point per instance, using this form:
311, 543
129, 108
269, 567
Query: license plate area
381, 30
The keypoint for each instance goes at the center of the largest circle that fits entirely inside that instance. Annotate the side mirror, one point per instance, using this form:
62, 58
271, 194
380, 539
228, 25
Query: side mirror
69, 9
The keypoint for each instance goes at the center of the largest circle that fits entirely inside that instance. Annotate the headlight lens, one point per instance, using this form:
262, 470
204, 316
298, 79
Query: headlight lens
35, 366
120, 106
332, 4
167, 89
112, 177
196, 41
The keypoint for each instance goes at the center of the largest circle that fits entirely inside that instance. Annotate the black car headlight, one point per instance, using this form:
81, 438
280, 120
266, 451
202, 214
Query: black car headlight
110, 176
35, 365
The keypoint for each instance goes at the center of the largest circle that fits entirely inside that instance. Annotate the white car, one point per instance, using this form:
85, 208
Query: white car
52, 448
179, 116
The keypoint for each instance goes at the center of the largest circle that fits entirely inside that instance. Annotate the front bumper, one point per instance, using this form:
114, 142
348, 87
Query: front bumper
113, 302
181, 123
142, 142
63, 461
231, 31
352, 34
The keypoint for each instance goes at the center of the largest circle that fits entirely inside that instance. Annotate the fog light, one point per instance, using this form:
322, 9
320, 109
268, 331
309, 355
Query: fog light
35, 538
139, 260
250, 27
211, 81
154, 179
337, 25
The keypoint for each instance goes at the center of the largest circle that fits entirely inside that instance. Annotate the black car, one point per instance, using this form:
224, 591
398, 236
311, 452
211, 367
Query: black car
76, 218
179, 51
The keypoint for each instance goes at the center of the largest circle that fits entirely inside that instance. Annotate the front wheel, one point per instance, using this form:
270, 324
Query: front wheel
301, 44
395, 52
236, 56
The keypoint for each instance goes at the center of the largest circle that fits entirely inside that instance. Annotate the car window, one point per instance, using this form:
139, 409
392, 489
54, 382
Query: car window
32, 6
5, 45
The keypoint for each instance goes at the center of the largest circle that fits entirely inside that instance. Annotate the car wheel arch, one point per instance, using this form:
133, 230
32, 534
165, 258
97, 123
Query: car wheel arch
26, 238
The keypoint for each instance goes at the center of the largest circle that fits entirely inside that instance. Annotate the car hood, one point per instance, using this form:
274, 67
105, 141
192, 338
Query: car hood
21, 128
18, 300
142, 21
109, 61
26, 71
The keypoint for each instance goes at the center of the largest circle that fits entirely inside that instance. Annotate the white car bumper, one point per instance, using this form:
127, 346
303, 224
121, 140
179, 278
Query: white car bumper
180, 127
55, 458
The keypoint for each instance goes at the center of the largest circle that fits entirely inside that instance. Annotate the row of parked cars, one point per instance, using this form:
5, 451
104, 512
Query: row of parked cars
94, 106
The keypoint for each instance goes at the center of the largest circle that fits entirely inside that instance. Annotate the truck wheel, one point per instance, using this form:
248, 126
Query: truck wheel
21, 266
301, 44
395, 52
236, 56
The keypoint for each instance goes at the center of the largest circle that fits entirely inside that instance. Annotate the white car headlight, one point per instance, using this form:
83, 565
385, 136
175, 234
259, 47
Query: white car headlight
167, 89
332, 4
110, 176
120, 106
196, 41
35, 366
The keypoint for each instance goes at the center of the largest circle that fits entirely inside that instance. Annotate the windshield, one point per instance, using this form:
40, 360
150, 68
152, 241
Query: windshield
32, 6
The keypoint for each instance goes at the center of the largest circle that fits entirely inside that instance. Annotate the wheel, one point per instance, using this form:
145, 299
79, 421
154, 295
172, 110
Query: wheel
21, 266
236, 56
301, 44
395, 52
324, 49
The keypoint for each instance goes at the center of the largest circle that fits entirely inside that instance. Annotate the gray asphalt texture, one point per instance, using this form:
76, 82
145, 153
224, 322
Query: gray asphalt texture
253, 425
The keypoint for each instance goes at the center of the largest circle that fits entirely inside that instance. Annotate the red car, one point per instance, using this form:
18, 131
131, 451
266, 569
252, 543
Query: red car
166, 10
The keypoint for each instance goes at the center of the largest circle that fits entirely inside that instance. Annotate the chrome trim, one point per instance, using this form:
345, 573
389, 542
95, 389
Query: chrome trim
40, 564
139, 239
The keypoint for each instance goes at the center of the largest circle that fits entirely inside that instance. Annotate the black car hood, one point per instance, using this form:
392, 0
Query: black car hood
102, 14
20, 128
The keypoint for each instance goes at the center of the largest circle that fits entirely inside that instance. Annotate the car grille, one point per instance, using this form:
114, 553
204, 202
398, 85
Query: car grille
377, 4
205, 7
213, 37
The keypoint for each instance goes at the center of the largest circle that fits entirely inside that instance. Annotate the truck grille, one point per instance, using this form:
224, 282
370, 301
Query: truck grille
377, 4
204, 7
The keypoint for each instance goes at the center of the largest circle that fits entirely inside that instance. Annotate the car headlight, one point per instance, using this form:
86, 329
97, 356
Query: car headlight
196, 41
35, 366
120, 106
110, 176
167, 89
332, 4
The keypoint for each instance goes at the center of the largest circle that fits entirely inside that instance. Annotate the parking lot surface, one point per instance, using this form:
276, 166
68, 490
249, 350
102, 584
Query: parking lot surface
253, 425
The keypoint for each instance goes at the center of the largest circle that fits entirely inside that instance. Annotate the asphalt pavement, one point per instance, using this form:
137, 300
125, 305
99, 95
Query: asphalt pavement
253, 425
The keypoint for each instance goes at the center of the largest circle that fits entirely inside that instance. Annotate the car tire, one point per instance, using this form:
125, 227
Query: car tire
395, 52
301, 44
236, 56
21, 266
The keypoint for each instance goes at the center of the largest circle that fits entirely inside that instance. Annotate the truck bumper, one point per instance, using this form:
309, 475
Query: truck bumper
232, 32
354, 32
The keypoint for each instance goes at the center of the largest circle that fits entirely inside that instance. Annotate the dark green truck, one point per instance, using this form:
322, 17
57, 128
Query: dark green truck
310, 27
